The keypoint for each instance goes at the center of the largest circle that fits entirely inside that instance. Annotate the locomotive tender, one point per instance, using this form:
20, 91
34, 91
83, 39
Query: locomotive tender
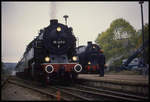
51, 55
91, 58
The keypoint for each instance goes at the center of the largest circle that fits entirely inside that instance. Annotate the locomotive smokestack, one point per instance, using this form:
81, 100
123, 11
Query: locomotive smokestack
89, 42
53, 21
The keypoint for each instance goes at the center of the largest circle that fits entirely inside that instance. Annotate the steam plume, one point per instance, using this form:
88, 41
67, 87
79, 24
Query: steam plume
53, 10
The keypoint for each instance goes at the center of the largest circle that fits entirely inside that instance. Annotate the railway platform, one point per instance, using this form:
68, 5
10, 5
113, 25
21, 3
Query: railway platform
129, 79
136, 84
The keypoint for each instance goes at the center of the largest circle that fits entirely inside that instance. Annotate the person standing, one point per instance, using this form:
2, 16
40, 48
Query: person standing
101, 64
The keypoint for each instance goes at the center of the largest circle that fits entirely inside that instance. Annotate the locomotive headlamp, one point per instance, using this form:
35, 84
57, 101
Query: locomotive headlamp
47, 59
89, 62
74, 58
94, 47
58, 29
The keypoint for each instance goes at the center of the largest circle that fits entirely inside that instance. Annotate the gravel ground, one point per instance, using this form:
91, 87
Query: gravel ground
14, 92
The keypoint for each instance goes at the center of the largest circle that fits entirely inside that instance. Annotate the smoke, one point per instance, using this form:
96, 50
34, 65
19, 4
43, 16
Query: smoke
13, 73
53, 10
111, 60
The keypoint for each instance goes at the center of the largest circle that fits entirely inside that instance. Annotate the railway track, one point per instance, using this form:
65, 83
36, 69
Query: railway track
87, 93
48, 90
69, 95
116, 93
76, 92
101, 94
139, 89
4, 80
35, 87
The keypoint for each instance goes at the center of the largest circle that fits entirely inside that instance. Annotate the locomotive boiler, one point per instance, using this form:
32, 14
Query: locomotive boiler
51, 55
91, 58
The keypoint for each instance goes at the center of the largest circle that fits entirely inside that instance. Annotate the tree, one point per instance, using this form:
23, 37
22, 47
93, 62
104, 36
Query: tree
119, 39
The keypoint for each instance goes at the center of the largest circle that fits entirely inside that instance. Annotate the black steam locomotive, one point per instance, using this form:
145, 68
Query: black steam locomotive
91, 58
51, 55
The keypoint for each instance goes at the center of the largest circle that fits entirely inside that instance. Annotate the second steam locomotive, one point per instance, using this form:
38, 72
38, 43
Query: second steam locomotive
91, 58
51, 55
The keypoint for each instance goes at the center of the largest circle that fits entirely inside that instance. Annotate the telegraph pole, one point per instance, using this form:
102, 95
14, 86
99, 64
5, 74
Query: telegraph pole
143, 61
141, 2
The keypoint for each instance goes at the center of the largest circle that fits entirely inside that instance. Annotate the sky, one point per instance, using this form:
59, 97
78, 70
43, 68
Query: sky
21, 21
